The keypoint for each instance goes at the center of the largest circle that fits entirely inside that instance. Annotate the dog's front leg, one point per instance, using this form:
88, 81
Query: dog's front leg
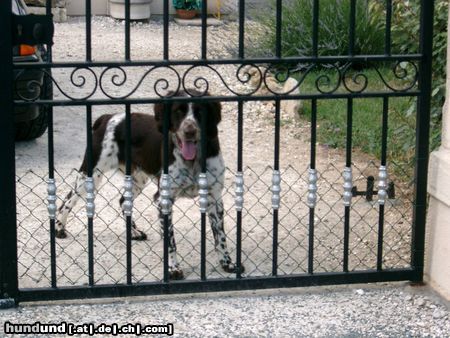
174, 269
215, 213
70, 201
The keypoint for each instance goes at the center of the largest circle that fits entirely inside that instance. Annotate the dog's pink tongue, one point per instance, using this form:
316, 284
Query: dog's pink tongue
188, 150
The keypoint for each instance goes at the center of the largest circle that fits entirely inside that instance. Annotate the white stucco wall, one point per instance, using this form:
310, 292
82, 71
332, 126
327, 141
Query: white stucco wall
437, 258
100, 7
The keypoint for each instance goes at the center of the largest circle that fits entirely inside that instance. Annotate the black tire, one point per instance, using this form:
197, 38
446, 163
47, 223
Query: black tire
29, 130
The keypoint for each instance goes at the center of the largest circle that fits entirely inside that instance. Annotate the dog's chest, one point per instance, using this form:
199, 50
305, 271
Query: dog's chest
185, 177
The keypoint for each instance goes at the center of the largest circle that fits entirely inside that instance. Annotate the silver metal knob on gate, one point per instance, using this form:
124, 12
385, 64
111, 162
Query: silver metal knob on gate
312, 188
165, 195
51, 198
382, 184
203, 192
348, 185
90, 197
276, 189
127, 205
239, 191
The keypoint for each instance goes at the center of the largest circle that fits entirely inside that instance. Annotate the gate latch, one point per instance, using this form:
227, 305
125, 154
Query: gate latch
32, 29
370, 192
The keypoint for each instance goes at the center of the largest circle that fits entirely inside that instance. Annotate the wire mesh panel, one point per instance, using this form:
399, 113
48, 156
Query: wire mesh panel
297, 208
110, 237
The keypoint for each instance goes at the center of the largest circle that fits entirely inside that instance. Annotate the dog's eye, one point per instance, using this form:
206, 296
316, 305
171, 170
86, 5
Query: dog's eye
179, 114
198, 114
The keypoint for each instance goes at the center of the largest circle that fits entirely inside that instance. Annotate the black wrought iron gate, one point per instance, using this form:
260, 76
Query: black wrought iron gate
311, 259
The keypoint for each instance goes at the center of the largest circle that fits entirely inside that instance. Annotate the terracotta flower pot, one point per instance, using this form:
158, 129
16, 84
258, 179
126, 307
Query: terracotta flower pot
186, 13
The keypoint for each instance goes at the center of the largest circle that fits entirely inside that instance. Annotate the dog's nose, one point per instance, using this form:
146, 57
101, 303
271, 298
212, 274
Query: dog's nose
190, 132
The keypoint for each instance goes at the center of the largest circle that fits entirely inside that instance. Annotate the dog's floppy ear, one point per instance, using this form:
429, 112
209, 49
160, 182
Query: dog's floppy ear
159, 112
214, 113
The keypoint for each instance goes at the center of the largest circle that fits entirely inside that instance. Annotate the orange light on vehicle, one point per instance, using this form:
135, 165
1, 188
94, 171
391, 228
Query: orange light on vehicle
26, 50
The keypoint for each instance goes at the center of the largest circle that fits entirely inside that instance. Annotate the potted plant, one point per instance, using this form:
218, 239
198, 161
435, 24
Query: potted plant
187, 9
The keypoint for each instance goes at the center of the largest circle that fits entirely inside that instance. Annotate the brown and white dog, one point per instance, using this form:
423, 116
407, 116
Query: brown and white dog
108, 149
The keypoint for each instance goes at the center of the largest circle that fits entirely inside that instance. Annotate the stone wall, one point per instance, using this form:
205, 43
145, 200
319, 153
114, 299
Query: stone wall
437, 263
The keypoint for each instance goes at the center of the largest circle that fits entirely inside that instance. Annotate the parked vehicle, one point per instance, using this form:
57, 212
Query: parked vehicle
30, 120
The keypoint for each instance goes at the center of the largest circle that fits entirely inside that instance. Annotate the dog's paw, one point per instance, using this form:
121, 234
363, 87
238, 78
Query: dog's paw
232, 268
138, 235
60, 233
176, 274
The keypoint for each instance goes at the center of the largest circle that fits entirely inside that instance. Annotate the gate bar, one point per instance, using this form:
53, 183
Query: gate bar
166, 30
239, 171
278, 27
222, 98
228, 61
189, 286
204, 13
422, 139
348, 164
351, 30
203, 193
51, 165
387, 46
384, 135
315, 27
313, 167
167, 218
89, 199
128, 219
89, 155
275, 187
241, 28
88, 31
241, 54
127, 30
8, 230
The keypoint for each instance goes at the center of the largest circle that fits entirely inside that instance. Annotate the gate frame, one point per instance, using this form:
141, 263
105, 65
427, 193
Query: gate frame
10, 294
8, 230
422, 140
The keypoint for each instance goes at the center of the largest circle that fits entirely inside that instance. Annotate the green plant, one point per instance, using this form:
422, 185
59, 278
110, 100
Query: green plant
405, 39
334, 21
187, 4
367, 122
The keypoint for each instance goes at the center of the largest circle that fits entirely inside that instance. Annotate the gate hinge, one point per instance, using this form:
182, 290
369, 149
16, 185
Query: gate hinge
7, 303
32, 29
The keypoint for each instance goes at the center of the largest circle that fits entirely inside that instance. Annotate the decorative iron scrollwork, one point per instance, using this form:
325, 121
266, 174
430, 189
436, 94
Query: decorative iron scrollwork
115, 82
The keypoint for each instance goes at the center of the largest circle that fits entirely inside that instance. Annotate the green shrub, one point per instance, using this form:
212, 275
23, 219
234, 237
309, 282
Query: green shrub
405, 34
334, 22
187, 4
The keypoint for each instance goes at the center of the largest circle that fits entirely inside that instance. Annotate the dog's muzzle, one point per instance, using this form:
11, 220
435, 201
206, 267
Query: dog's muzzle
188, 142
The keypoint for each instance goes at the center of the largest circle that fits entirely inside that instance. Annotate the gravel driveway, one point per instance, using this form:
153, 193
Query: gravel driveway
385, 310
69, 125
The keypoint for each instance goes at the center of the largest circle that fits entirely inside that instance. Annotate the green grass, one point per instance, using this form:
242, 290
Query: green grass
367, 121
